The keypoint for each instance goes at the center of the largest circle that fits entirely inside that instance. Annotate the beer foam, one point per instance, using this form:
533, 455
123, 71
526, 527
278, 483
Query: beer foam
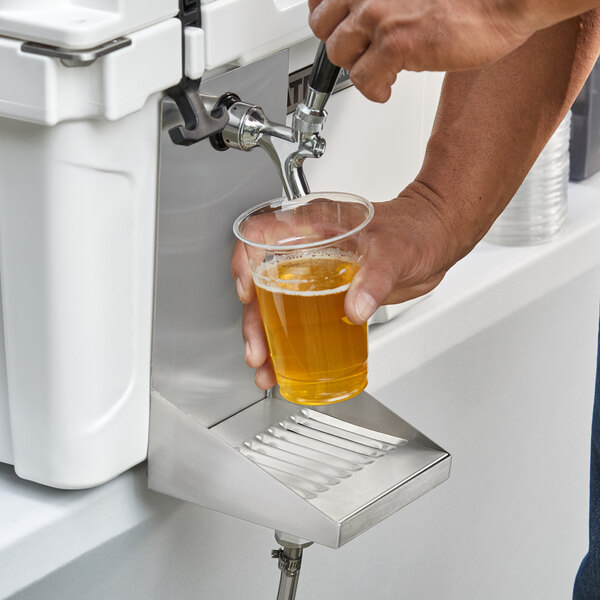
312, 253
280, 290
262, 280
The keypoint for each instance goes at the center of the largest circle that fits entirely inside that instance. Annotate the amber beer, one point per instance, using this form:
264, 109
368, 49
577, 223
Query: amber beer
319, 355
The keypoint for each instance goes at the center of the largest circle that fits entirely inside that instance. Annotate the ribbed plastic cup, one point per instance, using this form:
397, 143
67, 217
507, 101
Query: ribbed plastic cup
538, 211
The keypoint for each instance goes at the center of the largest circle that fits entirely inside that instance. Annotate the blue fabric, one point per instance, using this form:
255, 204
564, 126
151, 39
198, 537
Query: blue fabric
587, 582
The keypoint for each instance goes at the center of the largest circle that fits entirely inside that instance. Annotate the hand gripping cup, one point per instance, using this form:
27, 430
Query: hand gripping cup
303, 254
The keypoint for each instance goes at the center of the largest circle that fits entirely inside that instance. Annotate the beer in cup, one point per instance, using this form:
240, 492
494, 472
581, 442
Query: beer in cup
303, 254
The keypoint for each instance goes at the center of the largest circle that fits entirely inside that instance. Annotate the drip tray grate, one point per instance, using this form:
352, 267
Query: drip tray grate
310, 452
355, 462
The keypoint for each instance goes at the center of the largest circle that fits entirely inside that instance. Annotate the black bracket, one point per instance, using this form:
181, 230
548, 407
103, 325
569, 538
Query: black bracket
189, 13
199, 123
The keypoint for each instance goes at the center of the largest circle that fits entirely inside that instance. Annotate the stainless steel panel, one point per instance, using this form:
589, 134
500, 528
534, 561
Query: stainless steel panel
198, 351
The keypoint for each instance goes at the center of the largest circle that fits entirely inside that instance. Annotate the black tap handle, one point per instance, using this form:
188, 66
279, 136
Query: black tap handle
324, 73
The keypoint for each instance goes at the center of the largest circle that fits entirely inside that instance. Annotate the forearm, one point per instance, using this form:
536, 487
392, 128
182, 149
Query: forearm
544, 13
493, 122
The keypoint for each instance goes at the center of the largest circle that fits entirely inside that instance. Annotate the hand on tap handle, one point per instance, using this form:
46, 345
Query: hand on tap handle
376, 39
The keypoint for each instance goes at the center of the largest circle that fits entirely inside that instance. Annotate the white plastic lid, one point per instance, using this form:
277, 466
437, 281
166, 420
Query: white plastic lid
79, 24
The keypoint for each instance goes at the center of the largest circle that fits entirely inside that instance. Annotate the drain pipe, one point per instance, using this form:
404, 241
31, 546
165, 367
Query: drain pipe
289, 562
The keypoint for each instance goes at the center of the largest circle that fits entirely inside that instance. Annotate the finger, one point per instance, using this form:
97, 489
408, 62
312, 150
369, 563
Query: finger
253, 332
347, 44
326, 16
312, 4
369, 289
240, 270
404, 294
265, 376
372, 75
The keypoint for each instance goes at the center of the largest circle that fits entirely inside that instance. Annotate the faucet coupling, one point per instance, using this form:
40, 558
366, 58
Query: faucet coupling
310, 115
245, 126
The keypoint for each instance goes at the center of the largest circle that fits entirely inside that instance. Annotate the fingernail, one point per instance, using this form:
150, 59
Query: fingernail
240, 289
364, 305
248, 351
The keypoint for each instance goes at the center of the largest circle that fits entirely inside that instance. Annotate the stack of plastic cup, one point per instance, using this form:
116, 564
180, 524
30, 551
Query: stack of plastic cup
538, 211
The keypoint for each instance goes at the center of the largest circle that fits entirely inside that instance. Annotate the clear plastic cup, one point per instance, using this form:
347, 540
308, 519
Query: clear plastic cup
538, 211
303, 255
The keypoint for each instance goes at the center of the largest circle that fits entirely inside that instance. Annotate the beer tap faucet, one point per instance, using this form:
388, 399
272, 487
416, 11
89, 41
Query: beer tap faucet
288, 147
247, 127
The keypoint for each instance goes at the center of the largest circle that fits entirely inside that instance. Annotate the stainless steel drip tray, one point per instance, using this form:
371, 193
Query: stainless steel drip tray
356, 462
324, 474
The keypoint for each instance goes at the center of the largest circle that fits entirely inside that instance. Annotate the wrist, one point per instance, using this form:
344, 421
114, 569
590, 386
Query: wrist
427, 219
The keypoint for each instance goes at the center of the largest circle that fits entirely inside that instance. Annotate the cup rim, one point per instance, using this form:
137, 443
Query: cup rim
300, 201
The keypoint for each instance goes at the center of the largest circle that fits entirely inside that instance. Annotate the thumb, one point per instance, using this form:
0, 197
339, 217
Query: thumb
369, 289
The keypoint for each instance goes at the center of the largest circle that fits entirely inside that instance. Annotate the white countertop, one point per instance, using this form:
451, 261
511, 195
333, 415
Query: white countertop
45, 528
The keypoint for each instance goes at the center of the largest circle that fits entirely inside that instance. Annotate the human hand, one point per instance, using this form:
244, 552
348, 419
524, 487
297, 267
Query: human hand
409, 251
376, 39
253, 332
